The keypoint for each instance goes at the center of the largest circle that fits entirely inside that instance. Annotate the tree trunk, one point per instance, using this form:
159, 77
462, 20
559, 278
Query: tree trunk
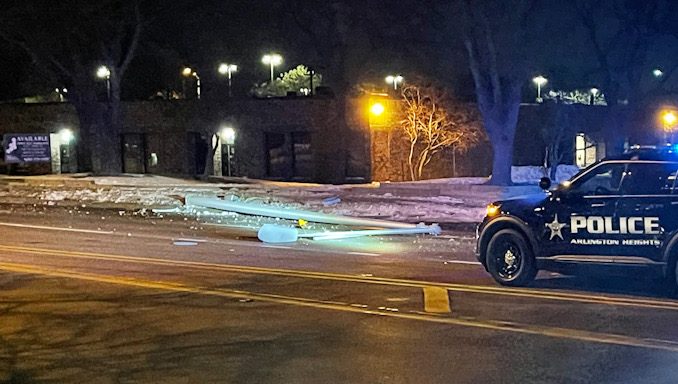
99, 146
503, 160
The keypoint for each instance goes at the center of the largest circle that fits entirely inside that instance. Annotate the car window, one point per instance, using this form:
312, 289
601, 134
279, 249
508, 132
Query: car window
649, 179
604, 179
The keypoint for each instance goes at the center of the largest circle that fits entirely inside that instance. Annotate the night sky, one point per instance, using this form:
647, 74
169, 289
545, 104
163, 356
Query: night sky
412, 38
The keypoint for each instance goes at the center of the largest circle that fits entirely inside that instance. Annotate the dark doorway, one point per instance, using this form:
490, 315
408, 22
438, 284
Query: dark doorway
200, 150
277, 157
302, 158
134, 153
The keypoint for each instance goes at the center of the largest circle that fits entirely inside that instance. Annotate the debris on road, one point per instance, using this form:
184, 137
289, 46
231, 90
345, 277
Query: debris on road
273, 233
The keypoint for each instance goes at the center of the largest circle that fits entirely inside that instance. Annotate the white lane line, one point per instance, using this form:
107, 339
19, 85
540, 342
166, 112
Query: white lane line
57, 228
364, 254
463, 262
275, 246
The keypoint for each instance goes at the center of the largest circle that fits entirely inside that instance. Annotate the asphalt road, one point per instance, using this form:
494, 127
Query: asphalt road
98, 297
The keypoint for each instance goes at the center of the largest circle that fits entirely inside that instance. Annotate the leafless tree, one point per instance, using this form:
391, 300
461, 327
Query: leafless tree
491, 32
68, 40
431, 122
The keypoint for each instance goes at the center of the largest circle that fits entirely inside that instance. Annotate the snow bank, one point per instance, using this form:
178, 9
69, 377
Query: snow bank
531, 173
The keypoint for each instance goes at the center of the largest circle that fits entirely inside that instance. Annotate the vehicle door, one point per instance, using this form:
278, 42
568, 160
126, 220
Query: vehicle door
648, 209
578, 218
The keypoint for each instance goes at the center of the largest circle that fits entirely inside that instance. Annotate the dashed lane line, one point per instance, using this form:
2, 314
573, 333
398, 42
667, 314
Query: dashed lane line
516, 292
512, 327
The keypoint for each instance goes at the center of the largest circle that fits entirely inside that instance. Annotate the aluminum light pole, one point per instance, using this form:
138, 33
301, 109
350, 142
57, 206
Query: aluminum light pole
272, 60
228, 69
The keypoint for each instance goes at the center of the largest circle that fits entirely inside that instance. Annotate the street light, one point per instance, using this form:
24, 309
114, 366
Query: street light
594, 93
377, 109
65, 135
104, 73
539, 80
669, 118
272, 59
657, 72
228, 69
188, 71
395, 80
228, 136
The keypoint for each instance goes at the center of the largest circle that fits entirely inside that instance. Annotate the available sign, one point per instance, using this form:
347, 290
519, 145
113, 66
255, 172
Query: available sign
21, 148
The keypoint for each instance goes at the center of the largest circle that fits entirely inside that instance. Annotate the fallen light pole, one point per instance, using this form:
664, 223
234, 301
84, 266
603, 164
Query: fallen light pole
289, 213
272, 233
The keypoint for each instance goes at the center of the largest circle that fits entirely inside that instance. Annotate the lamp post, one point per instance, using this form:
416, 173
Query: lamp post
669, 118
188, 72
594, 93
539, 80
272, 59
228, 69
228, 137
104, 73
395, 80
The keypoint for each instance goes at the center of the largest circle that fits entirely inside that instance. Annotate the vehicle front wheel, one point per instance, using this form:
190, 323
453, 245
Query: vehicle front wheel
510, 260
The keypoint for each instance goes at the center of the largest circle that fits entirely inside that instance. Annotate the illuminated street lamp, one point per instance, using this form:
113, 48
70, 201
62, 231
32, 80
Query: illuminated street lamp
66, 136
188, 72
228, 136
539, 80
657, 72
669, 118
594, 93
104, 73
377, 109
228, 69
272, 60
395, 80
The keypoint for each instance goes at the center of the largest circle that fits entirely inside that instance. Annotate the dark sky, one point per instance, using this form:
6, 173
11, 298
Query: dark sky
408, 37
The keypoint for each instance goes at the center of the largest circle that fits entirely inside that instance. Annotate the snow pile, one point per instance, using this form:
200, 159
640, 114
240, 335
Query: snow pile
531, 174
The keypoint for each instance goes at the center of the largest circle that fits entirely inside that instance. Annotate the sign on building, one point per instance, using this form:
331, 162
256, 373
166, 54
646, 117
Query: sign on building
26, 148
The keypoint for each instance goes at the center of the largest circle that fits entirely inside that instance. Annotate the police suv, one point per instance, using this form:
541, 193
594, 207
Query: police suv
619, 215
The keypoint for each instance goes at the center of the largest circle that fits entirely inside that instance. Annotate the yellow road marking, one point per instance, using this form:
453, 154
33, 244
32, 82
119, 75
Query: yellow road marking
561, 333
516, 292
436, 300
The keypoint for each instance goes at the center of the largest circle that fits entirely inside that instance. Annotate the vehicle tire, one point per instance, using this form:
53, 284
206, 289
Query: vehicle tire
510, 260
671, 280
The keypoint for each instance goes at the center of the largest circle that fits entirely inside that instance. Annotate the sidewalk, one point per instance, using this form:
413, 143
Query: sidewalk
461, 200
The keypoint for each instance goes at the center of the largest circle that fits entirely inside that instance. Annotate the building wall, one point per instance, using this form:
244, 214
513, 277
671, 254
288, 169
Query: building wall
176, 132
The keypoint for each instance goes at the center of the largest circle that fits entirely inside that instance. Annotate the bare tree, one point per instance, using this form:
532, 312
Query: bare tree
431, 122
558, 135
496, 73
68, 40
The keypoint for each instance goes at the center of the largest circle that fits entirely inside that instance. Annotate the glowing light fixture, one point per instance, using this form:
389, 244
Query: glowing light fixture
103, 72
539, 80
272, 59
228, 69
228, 135
188, 71
657, 72
669, 119
66, 135
377, 109
394, 80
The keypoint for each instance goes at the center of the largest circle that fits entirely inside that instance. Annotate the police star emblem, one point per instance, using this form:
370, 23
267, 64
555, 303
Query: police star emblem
556, 228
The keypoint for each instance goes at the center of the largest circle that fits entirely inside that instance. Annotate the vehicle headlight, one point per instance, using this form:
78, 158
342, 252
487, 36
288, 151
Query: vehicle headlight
491, 210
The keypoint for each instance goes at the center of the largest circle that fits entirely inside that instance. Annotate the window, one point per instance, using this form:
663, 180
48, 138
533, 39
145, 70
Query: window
649, 179
585, 151
276, 156
604, 179
301, 155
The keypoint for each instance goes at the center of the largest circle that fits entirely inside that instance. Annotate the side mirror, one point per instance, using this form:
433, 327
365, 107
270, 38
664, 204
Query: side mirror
545, 183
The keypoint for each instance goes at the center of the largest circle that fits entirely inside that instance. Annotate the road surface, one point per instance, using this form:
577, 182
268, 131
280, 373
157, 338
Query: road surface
97, 297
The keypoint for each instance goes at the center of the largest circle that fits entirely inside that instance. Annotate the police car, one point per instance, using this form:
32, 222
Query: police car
619, 216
